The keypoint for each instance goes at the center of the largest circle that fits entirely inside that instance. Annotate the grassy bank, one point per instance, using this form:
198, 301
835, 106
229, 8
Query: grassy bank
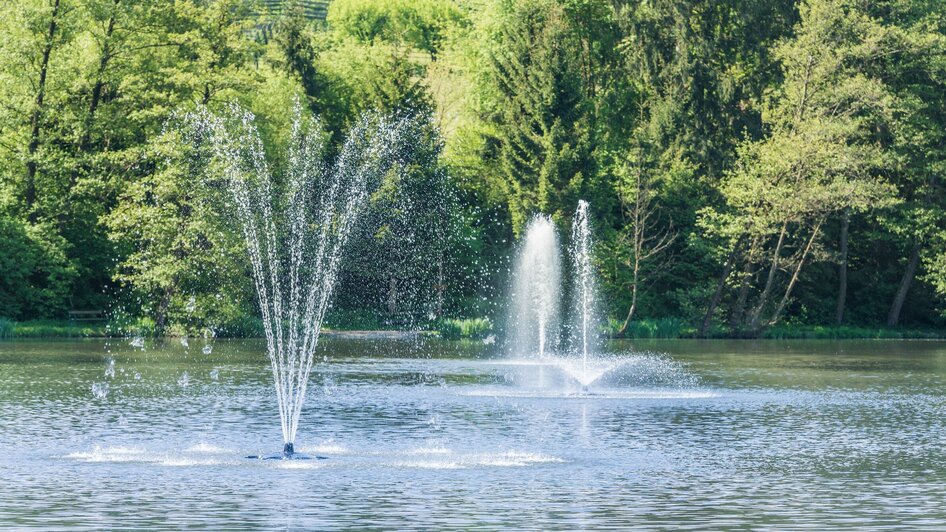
670, 328
52, 329
452, 329
469, 328
842, 332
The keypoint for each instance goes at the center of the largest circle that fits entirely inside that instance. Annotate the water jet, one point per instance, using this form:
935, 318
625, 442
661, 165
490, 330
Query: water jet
296, 228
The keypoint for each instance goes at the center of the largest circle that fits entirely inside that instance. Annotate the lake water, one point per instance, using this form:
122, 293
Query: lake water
684, 434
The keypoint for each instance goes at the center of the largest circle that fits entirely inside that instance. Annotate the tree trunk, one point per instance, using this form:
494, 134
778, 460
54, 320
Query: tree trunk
893, 318
770, 281
842, 270
104, 58
720, 287
630, 312
36, 116
777, 315
161, 313
739, 308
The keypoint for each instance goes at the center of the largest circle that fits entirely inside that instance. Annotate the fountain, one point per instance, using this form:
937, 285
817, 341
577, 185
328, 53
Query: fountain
533, 323
534, 329
295, 229
583, 291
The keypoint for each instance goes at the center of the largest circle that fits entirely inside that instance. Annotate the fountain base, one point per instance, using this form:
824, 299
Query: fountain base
288, 453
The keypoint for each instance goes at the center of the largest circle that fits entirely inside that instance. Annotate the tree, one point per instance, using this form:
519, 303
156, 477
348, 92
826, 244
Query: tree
183, 262
539, 110
821, 157
420, 24
645, 233
37, 276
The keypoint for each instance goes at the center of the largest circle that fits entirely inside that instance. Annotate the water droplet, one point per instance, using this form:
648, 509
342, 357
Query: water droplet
100, 390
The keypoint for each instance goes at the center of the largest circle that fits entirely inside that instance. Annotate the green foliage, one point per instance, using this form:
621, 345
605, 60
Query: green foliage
421, 24
847, 332
183, 261
541, 111
758, 134
454, 329
53, 329
654, 328
37, 277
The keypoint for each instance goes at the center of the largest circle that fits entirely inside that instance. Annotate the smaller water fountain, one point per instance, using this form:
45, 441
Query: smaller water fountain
534, 328
533, 324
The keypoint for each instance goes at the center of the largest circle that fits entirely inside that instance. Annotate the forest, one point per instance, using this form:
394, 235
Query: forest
750, 164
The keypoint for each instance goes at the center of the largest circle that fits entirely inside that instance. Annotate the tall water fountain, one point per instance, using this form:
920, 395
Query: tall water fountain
296, 228
536, 290
583, 290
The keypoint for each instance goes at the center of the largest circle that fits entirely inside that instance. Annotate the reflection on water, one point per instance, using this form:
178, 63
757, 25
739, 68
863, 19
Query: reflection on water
711, 435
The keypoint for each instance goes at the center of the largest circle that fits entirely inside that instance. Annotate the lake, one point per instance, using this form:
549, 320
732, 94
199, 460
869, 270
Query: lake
423, 433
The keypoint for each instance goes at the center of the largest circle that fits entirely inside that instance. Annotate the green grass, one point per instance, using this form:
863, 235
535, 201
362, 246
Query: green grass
677, 328
818, 332
654, 328
457, 328
453, 328
52, 329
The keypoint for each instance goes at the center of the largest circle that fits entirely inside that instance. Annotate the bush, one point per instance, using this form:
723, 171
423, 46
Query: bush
656, 328
35, 275
451, 328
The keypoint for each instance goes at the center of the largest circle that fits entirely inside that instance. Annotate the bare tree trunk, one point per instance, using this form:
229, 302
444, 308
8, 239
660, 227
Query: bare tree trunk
842, 269
161, 314
630, 312
893, 318
739, 308
37, 114
720, 287
770, 281
777, 315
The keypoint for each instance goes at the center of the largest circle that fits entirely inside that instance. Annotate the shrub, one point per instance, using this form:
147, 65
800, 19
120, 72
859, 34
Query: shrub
452, 328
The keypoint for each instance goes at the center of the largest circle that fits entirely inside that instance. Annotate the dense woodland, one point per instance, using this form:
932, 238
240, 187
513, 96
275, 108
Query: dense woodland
748, 162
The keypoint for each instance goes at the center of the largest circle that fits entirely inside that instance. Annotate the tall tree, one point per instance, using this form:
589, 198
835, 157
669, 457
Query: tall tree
821, 157
541, 109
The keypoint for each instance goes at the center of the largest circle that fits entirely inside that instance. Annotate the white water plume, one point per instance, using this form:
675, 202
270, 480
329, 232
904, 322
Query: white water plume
583, 290
296, 228
536, 290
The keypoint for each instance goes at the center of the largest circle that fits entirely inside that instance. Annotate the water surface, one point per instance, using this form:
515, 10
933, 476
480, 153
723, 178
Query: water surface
710, 434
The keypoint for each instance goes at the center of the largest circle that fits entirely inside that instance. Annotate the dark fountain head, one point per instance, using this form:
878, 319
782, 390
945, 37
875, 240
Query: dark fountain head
288, 453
